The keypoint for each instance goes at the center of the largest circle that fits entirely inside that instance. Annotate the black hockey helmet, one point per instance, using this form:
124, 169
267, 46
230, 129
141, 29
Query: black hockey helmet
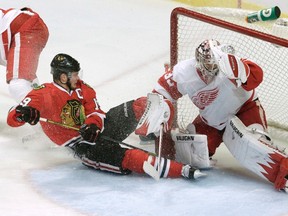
63, 63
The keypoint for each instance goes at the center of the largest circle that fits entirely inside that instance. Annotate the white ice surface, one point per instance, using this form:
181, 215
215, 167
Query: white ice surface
121, 46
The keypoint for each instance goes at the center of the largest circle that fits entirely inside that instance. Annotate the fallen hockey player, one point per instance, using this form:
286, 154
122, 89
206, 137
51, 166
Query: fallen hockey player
74, 119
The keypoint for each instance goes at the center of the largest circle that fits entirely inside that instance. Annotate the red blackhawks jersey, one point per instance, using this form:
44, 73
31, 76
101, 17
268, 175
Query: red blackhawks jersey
70, 108
217, 101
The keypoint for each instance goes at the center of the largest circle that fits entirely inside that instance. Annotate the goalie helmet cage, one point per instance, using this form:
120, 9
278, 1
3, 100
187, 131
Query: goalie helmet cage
262, 42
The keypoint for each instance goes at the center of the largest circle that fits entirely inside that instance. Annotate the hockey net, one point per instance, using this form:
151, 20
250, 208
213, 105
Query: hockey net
262, 42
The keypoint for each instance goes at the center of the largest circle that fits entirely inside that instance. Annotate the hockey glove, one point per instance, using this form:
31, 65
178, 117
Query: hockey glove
231, 66
89, 132
27, 114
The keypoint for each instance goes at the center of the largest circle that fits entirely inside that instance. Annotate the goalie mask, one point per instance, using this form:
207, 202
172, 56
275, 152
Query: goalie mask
206, 62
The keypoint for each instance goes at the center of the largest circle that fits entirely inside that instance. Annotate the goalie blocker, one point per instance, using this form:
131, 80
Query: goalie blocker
191, 149
257, 153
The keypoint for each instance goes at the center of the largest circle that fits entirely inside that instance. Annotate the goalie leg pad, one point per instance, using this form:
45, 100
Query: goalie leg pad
191, 149
259, 155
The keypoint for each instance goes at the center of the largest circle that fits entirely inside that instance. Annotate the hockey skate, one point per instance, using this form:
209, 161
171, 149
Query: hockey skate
187, 172
158, 111
190, 172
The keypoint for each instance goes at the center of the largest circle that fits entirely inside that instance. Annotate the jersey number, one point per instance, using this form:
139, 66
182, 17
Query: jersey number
25, 101
168, 77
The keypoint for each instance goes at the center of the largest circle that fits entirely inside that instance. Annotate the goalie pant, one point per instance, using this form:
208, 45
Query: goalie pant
250, 114
105, 155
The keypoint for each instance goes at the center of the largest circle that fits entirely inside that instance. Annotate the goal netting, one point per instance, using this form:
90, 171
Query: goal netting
262, 42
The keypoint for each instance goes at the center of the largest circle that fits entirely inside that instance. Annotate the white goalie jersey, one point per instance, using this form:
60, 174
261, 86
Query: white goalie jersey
216, 101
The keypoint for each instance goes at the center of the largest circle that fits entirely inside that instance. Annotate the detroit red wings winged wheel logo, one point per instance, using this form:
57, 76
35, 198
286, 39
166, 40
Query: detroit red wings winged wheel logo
204, 98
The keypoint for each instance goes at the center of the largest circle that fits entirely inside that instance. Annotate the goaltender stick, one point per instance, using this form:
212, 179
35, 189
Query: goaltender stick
222, 86
72, 103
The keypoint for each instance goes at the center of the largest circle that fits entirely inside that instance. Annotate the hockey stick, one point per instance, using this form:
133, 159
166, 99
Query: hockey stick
59, 124
160, 148
102, 137
148, 168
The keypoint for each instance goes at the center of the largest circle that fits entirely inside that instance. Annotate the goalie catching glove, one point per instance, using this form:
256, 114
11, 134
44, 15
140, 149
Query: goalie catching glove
27, 114
230, 65
89, 132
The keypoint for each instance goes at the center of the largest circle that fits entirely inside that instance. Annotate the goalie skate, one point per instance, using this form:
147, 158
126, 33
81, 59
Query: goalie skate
158, 111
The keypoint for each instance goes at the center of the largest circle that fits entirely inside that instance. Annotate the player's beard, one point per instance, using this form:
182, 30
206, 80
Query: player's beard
69, 85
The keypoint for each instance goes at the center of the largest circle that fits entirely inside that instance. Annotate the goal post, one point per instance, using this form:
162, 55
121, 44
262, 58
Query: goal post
263, 42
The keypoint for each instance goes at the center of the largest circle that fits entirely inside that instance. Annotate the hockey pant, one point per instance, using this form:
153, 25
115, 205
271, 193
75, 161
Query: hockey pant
250, 113
29, 36
109, 156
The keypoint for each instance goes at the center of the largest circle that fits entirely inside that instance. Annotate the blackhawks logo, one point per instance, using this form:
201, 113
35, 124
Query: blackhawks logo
72, 113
